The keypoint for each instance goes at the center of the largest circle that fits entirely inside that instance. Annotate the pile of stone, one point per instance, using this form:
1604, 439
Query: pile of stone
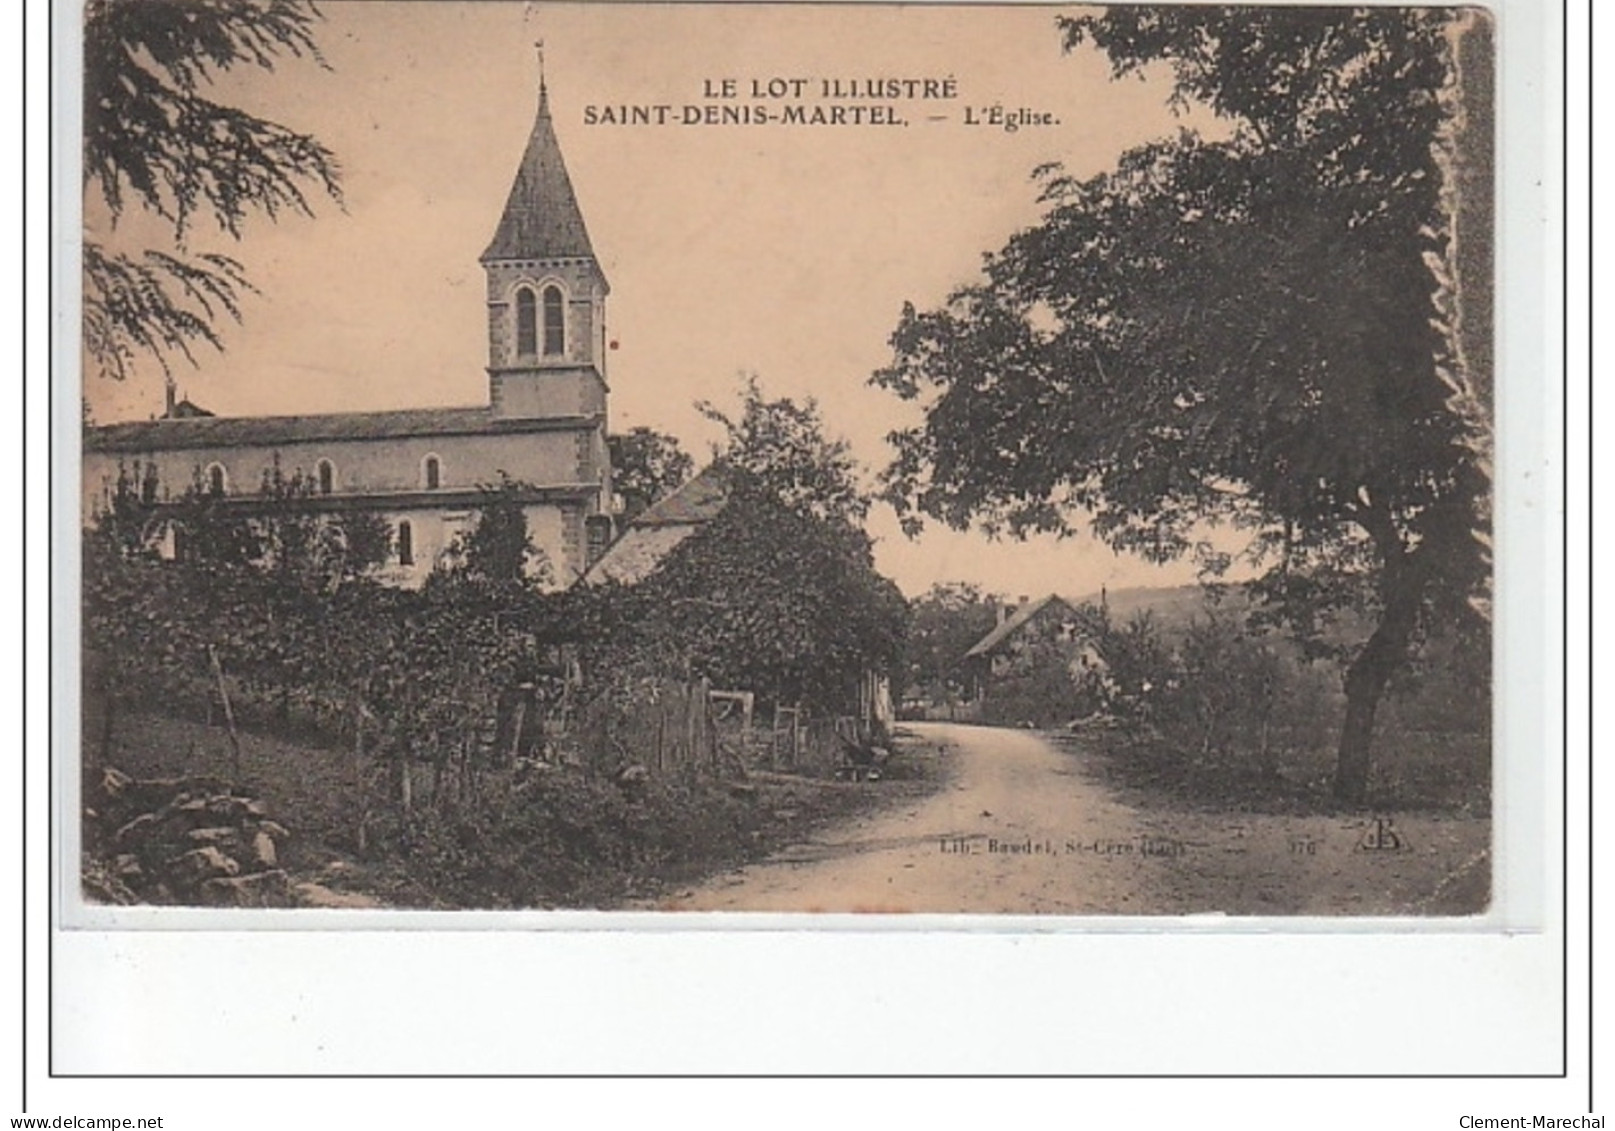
189, 841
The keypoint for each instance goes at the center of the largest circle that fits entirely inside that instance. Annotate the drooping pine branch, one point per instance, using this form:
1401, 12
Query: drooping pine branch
152, 138
156, 306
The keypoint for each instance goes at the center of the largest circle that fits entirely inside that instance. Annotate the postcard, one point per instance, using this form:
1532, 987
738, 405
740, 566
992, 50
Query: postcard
998, 461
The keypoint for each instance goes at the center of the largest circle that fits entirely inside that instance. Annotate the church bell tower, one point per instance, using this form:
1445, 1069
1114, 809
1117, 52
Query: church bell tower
546, 292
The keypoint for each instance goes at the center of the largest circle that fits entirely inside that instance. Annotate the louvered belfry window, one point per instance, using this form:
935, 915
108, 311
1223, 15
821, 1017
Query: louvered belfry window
526, 323
554, 322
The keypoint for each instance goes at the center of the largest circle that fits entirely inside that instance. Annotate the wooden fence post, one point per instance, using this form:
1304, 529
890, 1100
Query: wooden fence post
516, 728
746, 721
776, 758
359, 774
796, 736
686, 729
229, 713
707, 751
661, 727
406, 792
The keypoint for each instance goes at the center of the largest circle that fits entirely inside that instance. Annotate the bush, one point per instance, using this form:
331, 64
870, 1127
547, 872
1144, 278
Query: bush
558, 837
1226, 691
1043, 695
1238, 715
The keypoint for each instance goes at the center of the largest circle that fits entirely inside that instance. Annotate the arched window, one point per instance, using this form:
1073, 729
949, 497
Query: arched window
406, 544
327, 474
526, 323
431, 473
554, 322
216, 481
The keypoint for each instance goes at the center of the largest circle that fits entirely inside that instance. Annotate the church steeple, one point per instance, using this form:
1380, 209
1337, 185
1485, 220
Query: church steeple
541, 218
546, 292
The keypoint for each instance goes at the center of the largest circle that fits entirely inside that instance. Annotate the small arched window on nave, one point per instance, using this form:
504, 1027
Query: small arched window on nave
431, 473
526, 323
216, 480
554, 322
326, 471
406, 544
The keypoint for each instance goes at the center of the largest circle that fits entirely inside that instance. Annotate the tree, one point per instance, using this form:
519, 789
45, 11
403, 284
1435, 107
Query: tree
772, 599
279, 533
646, 466
782, 447
307, 550
151, 138
499, 548
947, 622
777, 591
1256, 330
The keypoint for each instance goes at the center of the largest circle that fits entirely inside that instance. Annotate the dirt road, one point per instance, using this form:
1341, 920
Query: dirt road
1023, 826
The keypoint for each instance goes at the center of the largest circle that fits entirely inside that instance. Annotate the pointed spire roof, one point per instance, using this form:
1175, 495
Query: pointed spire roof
542, 219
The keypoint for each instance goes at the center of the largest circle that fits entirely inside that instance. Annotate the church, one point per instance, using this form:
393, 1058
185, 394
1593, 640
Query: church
544, 423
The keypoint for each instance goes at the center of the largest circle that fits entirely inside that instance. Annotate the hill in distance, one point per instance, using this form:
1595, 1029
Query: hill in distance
1173, 607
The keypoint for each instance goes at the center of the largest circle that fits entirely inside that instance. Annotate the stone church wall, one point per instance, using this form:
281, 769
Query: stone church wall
364, 466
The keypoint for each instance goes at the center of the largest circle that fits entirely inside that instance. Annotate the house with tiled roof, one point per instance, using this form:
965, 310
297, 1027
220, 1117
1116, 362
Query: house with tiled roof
1014, 619
1040, 664
543, 425
654, 532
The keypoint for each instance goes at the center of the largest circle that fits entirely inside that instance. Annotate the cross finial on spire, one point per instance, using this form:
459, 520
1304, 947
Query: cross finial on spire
538, 46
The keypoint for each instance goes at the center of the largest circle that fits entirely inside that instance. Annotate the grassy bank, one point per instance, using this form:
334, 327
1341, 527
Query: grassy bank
538, 837
1416, 769
1250, 842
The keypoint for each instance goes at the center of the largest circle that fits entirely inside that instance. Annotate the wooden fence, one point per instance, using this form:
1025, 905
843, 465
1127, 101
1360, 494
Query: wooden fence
803, 743
665, 725
675, 728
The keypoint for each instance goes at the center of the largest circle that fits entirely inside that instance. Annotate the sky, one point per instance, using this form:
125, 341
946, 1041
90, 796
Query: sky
781, 250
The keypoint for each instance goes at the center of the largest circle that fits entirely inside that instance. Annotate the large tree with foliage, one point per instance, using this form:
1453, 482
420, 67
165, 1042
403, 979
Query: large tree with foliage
948, 620
646, 466
781, 446
153, 138
1258, 329
499, 547
776, 600
778, 593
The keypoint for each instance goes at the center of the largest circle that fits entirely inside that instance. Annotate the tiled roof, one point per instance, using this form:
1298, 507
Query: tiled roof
653, 533
699, 500
635, 555
1013, 625
541, 218
230, 431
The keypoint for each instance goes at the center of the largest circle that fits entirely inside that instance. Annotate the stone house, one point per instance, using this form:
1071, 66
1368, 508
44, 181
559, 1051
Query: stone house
655, 531
1040, 664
